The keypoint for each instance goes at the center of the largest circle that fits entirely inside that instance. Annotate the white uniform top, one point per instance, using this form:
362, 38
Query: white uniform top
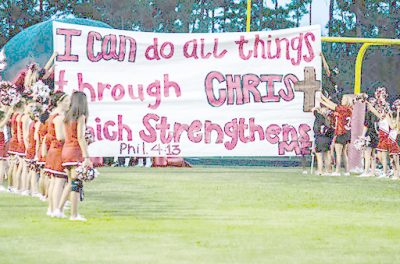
393, 135
384, 125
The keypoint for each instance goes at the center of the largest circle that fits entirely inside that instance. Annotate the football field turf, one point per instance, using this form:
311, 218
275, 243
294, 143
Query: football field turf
210, 215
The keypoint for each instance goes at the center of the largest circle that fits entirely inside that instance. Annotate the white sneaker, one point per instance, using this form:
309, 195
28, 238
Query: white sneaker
44, 199
67, 203
364, 175
49, 213
26, 193
346, 173
78, 218
140, 163
305, 172
383, 176
149, 162
393, 178
2, 189
58, 214
335, 174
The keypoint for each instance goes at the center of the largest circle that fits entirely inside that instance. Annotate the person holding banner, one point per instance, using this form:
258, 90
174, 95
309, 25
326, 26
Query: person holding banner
323, 134
74, 152
342, 115
52, 148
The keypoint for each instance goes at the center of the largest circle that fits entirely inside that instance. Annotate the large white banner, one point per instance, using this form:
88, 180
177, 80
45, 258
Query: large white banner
220, 94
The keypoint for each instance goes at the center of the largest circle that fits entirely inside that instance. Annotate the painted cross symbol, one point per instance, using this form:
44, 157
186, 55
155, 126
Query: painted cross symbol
309, 86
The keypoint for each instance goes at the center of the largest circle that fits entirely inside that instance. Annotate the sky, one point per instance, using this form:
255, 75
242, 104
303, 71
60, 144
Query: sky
319, 13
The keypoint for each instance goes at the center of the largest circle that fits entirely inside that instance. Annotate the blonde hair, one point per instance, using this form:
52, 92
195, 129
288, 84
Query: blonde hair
349, 100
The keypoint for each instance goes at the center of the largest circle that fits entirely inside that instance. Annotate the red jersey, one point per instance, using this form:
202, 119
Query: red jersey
342, 119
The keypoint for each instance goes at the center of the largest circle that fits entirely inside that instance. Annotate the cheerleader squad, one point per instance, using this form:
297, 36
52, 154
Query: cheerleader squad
47, 154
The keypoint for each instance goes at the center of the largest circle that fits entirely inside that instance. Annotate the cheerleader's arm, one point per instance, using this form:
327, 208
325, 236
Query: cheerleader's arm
327, 104
25, 130
44, 147
373, 110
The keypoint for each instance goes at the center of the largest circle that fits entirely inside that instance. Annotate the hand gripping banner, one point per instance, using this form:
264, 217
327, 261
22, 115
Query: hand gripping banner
221, 94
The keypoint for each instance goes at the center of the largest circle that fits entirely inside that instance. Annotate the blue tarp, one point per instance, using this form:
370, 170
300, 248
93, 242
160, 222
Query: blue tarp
35, 44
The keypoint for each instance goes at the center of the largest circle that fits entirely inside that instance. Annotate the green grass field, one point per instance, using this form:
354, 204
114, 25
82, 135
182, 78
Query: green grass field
211, 215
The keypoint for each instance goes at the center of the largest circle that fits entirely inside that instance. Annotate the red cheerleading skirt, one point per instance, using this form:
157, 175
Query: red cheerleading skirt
31, 151
3, 147
54, 159
41, 161
394, 148
21, 148
383, 144
71, 154
13, 146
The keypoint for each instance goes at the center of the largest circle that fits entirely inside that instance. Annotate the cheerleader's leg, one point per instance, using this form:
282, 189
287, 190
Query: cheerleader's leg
50, 195
373, 162
2, 172
338, 150
367, 160
66, 192
75, 196
34, 182
396, 167
41, 183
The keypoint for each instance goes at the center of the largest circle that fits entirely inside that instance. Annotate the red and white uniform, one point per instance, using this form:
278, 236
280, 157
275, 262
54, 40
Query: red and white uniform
3, 147
42, 132
54, 155
71, 153
31, 151
393, 147
342, 119
383, 135
13, 144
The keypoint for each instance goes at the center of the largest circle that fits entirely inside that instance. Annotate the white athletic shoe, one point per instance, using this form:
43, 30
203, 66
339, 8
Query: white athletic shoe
49, 213
44, 199
393, 178
346, 173
26, 193
364, 175
78, 218
58, 214
140, 163
305, 172
335, 174
2, 189
383, 176
149, 162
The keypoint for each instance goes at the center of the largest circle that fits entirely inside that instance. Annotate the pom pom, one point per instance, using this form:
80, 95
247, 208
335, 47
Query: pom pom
362, 142
89, 136
396, 105
86, 173
41, 92
360, 98
373, 101
9, 94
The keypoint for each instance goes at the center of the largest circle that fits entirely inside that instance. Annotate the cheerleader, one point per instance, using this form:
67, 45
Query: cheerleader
52, 148
394, 149
323, 133
4, 118
383, 114
31, 151
13, 147
74, 152
370, 131
41, 161
342, 115
24, 144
